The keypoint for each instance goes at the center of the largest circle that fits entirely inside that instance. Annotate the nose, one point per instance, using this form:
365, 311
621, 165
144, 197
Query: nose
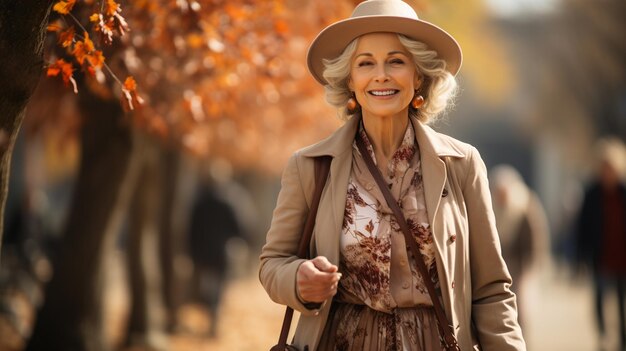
381, 74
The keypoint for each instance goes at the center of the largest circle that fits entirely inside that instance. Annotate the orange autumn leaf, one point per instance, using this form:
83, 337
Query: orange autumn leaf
56, 26
129, 88
94, 18
67, 37
56, 68
64, 68
64, 7
112, 7
96, 60
130, 84
88, 43
82, 49
79, 52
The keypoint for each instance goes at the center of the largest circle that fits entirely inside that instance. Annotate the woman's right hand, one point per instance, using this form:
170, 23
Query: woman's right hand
316, 280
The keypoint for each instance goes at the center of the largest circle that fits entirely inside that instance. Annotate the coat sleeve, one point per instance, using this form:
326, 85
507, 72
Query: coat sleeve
279, 261
494, 309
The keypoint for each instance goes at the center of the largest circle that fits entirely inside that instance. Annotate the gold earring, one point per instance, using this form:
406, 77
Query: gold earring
417, 101
351, 105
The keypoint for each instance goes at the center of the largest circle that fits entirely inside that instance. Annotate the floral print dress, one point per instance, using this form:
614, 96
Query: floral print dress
382, 302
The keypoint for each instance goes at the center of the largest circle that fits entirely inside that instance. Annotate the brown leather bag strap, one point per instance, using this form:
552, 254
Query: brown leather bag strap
322, 168
445, 329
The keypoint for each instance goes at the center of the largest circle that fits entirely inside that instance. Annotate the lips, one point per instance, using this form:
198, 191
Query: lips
385, 92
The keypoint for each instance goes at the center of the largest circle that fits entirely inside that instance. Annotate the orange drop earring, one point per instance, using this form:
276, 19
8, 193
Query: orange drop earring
351, 105
417, 101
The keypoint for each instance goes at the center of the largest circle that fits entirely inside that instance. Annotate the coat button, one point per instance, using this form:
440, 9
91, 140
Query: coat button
403, 263
405, 285
444, 193
452, 238
453, 285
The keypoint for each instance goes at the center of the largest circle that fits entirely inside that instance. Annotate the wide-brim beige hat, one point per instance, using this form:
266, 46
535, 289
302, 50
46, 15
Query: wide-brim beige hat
394, 16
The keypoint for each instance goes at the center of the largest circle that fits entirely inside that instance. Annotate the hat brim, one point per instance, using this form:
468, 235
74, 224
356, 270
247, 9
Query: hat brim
331, 41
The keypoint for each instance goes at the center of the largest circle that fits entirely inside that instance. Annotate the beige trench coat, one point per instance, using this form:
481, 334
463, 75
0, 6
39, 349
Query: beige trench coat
475, 283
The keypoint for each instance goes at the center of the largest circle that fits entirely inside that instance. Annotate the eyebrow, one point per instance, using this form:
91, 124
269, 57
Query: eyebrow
389, 53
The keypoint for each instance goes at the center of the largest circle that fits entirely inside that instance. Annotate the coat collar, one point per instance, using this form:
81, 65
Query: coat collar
340, 141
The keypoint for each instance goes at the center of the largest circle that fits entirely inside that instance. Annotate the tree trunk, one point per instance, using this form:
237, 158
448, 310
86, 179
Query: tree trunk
22, 33
170, 233
146, 327
71, 317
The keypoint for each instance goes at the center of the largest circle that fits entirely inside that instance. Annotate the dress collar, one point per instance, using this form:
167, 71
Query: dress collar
401, 158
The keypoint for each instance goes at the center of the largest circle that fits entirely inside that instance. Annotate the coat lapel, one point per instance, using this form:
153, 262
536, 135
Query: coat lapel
432, 149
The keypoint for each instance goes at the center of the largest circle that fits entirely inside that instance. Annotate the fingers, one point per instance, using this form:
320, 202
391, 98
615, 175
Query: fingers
324, 265
317, 280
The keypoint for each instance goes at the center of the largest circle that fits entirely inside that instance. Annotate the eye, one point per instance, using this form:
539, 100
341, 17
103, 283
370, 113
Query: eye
395, 61
364, 63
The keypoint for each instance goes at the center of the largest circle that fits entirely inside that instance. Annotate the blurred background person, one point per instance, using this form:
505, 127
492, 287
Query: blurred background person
601, 240
213, 223
523, 230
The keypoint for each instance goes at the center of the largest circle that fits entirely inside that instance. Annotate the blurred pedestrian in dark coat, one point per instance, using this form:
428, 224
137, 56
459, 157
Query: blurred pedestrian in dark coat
601, 240
213, 223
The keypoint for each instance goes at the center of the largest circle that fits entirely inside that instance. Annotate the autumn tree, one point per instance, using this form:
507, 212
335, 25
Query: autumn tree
197, 66
22, 33
75, 292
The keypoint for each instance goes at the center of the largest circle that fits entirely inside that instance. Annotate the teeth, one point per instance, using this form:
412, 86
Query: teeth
383, 93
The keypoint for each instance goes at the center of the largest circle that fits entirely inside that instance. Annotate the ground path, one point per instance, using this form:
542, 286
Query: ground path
560, 318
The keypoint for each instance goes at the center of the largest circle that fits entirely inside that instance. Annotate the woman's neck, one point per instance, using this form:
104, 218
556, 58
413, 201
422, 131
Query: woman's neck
385, 134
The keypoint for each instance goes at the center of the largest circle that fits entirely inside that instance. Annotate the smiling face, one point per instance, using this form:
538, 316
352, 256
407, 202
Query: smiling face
383, 76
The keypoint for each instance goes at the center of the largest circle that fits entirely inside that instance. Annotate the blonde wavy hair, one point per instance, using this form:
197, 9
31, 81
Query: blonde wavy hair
438, 88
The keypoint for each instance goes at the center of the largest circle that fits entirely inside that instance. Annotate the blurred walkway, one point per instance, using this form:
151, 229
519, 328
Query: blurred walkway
250, 321
560, 318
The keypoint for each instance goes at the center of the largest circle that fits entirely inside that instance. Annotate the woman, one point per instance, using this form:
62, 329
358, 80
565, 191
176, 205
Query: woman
389, 73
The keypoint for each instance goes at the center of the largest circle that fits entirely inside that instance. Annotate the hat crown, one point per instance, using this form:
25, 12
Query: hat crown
384, 16
391, 8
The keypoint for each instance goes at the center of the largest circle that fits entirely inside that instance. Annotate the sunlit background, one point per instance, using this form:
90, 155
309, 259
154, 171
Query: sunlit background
102, 198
